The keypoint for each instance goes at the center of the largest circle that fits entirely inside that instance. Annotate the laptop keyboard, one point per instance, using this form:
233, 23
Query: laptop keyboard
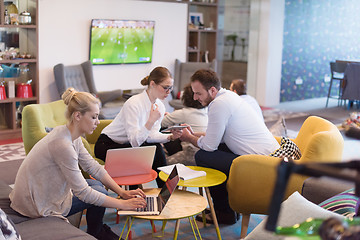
149, 205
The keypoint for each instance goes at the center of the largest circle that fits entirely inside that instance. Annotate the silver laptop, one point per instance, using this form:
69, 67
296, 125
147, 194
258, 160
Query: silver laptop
122, 162
155, 204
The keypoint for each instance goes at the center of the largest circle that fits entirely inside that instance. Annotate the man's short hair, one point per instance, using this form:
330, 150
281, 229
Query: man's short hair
239, 85
207, 78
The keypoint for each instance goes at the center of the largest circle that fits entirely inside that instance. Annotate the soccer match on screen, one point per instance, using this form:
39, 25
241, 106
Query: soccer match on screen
121, 41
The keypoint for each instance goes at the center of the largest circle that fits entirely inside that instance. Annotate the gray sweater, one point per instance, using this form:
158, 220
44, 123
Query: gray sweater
50, 175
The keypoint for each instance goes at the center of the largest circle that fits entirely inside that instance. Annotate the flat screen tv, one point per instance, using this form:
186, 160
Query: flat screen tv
121, 41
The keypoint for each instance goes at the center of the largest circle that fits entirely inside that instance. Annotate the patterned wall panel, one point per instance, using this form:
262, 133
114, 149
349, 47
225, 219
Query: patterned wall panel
315, 33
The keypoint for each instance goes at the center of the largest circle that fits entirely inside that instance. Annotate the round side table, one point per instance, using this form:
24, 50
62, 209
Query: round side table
213, 178
176, 208
138, 179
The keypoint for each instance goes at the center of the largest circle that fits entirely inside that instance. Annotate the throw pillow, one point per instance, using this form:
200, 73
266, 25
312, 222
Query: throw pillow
287, 149
296, 209
7, 228
343, 203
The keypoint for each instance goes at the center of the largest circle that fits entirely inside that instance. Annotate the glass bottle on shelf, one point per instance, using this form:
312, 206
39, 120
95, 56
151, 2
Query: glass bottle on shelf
7, 17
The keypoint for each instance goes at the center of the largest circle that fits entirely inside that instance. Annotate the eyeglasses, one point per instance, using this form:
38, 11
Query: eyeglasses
168, 88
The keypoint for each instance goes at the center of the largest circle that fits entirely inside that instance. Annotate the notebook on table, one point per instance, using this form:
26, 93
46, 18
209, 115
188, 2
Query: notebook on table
155, 204
122, 162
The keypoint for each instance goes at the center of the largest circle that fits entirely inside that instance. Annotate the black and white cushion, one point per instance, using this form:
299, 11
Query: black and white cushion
287, 149
7, 228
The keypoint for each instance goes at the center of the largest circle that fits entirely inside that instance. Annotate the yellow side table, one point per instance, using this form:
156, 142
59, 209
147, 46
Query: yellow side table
213, 178
182, 204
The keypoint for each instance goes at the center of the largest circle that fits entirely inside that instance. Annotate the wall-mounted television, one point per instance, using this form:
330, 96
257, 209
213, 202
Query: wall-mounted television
121, 41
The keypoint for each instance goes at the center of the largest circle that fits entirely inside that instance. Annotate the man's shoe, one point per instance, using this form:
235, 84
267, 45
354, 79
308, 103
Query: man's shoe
207, 210
222, 218
208, 218
107, 234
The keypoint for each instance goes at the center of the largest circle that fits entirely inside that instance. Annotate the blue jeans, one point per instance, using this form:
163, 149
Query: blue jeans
94, 214
221, 160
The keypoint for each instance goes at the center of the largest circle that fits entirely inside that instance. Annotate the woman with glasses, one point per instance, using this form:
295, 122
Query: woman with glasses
139, 121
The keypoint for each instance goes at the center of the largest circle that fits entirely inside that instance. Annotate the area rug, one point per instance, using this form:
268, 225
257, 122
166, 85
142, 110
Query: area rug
273, 114
12, 152
141, 229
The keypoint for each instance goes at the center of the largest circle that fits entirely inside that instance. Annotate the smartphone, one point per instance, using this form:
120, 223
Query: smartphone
173, 128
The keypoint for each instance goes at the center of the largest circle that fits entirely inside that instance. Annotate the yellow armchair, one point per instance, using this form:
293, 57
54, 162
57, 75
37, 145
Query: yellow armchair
252, 177
92, 138
37, 117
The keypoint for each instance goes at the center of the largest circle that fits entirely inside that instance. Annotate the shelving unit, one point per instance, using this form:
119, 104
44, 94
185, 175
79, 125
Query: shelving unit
26, 37
204, 39
201, 40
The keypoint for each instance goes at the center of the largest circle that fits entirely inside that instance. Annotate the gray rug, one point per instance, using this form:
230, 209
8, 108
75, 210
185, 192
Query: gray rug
272, 115
12, 152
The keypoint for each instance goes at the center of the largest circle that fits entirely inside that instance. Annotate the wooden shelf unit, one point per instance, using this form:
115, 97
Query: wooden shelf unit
27, 40
201, 40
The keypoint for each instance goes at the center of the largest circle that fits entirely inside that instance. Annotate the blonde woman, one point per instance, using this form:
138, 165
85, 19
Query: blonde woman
139, 121
50, 183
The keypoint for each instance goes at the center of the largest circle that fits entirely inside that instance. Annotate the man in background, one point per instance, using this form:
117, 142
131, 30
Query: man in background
239, 86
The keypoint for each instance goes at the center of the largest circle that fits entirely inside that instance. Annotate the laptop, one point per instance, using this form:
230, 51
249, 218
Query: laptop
155, 204
122, 162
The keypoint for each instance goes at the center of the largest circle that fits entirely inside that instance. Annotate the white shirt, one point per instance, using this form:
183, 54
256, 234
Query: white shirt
129, 124
253, 103
196, 118
233, 122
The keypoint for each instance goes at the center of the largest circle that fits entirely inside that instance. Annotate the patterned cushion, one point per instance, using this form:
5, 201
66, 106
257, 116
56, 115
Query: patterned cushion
287, 149
343, 203
7, 228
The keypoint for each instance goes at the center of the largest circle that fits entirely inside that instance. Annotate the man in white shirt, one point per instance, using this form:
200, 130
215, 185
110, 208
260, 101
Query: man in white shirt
234, 129
239, 86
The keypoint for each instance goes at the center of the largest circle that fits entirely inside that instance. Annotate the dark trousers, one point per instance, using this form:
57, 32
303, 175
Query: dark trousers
105, 143
94, 214
221, 160
173, 147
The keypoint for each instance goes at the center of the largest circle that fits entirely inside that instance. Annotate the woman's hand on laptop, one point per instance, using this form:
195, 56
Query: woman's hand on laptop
133, 199
133, 194
133, 203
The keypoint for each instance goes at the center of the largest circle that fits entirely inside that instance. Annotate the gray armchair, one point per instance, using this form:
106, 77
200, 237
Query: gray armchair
183, 72
81, 78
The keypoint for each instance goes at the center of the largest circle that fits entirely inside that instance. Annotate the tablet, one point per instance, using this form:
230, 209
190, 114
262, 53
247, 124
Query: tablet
173, 128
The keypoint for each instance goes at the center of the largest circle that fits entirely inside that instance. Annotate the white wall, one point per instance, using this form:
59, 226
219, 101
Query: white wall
64, 38
265, 51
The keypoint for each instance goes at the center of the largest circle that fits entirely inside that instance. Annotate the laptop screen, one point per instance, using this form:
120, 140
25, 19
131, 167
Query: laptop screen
169, 187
